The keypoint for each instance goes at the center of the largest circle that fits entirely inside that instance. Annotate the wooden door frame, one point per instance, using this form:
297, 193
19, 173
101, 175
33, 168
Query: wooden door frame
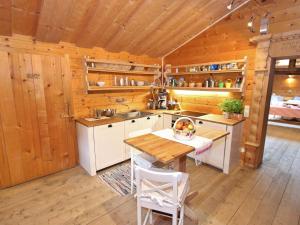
269, 49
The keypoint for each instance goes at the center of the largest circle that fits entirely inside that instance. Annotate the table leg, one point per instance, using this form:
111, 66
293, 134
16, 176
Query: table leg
180, 164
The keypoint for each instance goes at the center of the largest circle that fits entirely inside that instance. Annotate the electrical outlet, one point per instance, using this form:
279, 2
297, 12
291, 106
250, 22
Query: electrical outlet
246, 111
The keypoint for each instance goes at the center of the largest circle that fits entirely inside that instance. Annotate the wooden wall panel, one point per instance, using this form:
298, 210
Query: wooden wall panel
83, 104
4, 166
229, 39
285, 86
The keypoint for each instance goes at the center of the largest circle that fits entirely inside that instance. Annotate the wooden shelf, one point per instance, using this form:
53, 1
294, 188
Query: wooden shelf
122, 63
105, 70
205, 89
99, 69
205, 72
210, 63
119, 88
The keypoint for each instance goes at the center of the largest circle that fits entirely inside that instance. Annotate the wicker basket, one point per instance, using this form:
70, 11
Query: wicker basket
185, 134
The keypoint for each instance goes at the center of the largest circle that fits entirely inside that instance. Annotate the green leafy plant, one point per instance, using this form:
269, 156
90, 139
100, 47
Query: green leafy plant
237, 106
232, 106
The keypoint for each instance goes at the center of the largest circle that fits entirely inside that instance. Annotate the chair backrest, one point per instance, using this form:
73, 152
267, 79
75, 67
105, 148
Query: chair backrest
162, 186
139, 132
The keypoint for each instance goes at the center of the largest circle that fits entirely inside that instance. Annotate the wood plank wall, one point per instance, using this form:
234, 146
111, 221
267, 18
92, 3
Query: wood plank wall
229, 39
83, 103
286, 86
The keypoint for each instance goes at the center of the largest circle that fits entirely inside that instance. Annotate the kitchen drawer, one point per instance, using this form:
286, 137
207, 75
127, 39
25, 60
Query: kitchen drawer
211, 125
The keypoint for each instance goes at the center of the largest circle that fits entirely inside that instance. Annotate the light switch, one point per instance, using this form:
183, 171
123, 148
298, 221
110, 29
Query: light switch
246, 111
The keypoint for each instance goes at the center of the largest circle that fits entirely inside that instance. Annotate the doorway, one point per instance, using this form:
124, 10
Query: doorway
282, 118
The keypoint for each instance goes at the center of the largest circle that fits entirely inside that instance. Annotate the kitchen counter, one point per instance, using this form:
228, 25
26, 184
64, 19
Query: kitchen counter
209, 117
220, 119
216, 118
161, 111
99, 122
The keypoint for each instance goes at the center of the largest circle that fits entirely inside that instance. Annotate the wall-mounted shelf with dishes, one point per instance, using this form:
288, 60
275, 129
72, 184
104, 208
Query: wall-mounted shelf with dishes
113, 75
226, 76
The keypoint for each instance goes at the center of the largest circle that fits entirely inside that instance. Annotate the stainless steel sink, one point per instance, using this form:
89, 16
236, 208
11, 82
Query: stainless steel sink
132, 115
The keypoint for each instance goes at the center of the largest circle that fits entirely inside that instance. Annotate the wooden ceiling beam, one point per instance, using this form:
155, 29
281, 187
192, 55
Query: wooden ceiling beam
5, 17
136, 25
122, 18
74, 19
215, 21
187, 27
25, 16
191, 16
53, 15
167, 26
102, 17
168, 13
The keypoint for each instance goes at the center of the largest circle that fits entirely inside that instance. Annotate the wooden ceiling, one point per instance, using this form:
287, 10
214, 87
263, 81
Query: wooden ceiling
151, 27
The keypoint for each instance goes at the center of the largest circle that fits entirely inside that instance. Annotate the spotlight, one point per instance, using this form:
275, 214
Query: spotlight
250, 24
264, 24
230, 6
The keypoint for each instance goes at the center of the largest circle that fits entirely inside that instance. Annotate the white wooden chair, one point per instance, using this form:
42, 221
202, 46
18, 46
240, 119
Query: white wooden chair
161, 190
139, 158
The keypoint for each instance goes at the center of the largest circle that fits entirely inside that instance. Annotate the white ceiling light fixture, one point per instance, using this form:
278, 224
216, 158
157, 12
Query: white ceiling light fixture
230, 5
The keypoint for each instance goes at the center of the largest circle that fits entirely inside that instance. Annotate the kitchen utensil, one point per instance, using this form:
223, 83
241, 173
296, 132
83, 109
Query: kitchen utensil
132, 82
199, 84
101, 83
133, 113
109, 112
121, 81
228, 83
140, 83
214, 67
221, 84
192, 84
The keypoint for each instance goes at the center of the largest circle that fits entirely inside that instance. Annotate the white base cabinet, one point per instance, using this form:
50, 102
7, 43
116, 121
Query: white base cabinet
167, 121
225, 152
109, 145
103, 146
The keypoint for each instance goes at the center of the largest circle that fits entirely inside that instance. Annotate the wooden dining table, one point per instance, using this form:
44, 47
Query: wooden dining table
167, 151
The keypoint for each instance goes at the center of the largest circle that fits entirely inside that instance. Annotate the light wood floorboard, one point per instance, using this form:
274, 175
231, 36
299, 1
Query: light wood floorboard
268, 195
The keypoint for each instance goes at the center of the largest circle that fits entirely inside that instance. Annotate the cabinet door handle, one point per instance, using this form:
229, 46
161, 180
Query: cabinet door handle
159, 116
109, 126
148, 118
132, 121
200, 122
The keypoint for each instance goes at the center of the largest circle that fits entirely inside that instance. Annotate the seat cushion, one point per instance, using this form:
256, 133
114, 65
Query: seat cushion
161, 199
143, 160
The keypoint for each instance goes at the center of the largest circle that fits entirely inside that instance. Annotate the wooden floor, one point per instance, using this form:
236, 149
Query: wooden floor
269, 195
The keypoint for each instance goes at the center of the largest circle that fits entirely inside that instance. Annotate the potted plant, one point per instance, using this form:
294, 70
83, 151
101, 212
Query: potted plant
226, 107
237, 108
232, 108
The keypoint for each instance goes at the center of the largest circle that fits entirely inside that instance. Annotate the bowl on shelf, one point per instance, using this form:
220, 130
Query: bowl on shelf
184, 129
139, 68
101, 83
140, 83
